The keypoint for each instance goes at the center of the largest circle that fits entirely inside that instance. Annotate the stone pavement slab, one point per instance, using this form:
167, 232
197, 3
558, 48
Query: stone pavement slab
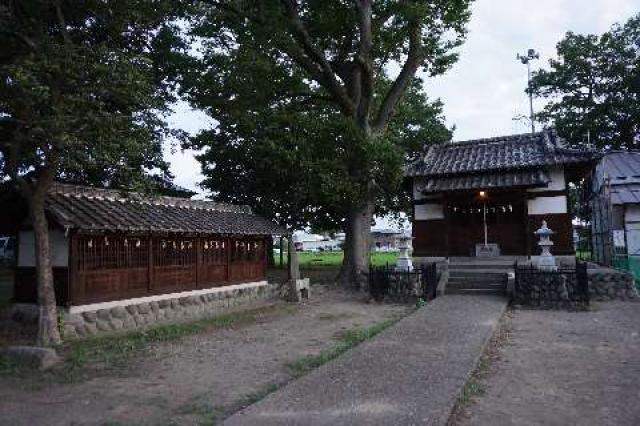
409, 374
566, 368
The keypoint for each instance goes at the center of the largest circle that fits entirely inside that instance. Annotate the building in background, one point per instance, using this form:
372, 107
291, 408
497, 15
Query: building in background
615, 210
486, 197
385, 239
304, 241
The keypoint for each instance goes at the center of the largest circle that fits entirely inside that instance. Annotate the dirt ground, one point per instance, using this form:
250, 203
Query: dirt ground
199, 379
564, 368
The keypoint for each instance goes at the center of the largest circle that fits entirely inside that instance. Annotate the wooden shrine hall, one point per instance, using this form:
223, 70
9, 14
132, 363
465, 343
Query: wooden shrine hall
109, 245
486, 197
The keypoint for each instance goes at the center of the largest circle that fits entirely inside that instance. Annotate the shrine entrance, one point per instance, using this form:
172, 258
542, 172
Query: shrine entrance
484, 217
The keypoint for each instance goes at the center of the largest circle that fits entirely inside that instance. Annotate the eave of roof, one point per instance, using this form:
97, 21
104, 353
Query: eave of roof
507, 179
514, 152
93, 209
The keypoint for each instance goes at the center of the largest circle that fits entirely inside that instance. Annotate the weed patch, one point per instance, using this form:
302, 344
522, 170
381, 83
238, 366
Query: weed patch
475, 385
113, 353
116, 351
346, 340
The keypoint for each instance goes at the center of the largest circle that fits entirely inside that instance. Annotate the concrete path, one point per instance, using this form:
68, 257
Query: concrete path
566, 368
410, 374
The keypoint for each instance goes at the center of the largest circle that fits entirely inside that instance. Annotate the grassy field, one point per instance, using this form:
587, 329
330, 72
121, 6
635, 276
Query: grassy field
334, 259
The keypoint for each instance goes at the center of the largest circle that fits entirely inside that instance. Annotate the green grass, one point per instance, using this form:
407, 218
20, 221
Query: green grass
333, 259
347, 340
115, 352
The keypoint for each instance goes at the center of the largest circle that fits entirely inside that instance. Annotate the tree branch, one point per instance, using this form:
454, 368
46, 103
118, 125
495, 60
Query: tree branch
365, 61
399, 86
63, 23
305, 44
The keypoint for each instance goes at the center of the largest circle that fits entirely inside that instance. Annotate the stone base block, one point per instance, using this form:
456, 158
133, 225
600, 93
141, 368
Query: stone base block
611, 284
298, 290
42, 358
80, 322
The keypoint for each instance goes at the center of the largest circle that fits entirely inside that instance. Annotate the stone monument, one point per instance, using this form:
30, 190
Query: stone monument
404, 262
297, 289
546, 261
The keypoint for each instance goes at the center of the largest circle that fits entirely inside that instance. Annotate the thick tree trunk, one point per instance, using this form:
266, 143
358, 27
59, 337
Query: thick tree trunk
48, 333
355, 265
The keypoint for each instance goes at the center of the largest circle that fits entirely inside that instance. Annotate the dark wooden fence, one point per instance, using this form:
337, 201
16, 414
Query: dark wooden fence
112, 267
568, 287
386, 282
115, 266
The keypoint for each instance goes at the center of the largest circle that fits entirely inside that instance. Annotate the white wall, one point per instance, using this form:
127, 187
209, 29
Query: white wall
57, 242
632, 227
428, 212
546, 205
557, 181
632, 213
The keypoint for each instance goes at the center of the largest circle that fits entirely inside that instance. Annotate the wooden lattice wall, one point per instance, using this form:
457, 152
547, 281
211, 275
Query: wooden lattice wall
119, 266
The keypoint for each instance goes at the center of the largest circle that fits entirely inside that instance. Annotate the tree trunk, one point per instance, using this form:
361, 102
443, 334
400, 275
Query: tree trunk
48, 333
355, 265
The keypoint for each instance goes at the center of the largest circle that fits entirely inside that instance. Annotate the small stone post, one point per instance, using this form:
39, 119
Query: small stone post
294, 268
297, 289
546, 261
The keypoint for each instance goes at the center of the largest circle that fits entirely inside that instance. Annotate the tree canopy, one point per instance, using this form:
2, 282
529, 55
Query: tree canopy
291, 162
318, 103
593, 87
83, 89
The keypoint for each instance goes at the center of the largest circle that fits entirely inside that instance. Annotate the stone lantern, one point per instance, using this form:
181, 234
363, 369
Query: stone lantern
404, 262
546, 262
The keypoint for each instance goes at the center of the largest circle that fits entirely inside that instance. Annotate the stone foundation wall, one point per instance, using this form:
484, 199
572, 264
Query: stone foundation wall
137, 314
611, 284
140, 315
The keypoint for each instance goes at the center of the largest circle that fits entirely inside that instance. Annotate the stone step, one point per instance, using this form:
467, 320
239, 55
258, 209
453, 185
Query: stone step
474, 291
471, 280
478, 272
466, 284
482, 266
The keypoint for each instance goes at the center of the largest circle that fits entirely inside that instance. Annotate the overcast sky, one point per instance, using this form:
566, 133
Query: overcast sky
485, 88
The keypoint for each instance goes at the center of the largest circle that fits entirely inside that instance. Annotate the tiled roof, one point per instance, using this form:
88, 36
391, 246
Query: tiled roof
510, 178
93, 209
513, 152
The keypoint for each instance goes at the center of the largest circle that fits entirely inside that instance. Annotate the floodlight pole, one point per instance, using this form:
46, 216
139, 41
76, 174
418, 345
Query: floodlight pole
526, 60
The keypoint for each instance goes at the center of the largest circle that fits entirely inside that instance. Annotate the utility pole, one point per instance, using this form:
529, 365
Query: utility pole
526, 60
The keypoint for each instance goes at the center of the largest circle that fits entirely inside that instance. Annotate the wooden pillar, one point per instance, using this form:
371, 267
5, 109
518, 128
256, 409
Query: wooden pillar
150, 266
72, 269
228, 253
447, 224
268, 247
198, 265
281, 251
527, 233
266, 263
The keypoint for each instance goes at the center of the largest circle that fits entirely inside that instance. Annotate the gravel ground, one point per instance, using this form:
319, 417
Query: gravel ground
410, 374
565, 368
201, 378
